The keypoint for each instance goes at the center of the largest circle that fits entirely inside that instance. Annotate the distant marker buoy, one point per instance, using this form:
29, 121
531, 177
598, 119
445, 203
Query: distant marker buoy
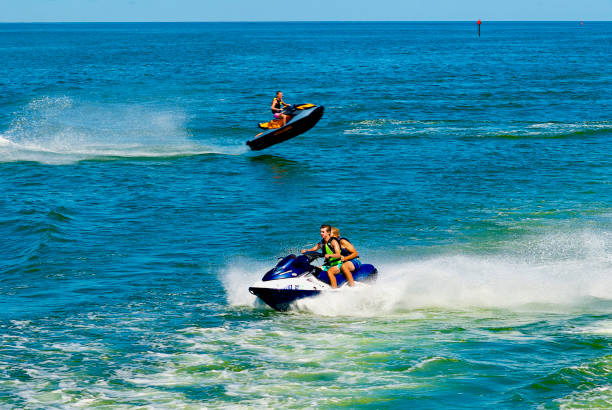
478, 28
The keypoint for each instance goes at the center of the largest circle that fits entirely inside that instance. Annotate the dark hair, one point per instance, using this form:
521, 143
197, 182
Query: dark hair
278, 92
326, 227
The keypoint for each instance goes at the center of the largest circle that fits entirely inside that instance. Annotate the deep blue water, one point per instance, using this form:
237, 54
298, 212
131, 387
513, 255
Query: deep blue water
475, 173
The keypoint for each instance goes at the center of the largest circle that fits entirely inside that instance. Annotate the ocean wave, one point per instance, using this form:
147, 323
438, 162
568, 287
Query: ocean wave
61, 130
599, 397
589, 381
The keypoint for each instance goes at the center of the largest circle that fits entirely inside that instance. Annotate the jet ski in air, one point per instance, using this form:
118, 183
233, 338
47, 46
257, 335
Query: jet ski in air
301, 118
295, 277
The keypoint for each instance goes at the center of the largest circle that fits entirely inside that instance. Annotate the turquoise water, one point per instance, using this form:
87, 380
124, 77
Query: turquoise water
473, 172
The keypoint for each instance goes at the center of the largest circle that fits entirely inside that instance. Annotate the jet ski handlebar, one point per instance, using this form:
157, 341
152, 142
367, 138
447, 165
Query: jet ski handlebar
312, 255
289, 109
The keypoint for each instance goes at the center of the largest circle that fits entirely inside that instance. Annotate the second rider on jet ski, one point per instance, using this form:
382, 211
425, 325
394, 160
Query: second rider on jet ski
350, 257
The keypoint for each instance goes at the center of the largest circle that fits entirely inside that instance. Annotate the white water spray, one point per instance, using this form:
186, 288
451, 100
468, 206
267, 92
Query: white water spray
551, 273
62, 130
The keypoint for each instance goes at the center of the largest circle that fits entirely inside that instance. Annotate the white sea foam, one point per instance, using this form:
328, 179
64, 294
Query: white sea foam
77, 347
603, 327
61, 130
550, 273
483, 129
599, 397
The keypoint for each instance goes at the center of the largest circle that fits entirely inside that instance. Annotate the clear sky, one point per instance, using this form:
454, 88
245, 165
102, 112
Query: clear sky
301, 10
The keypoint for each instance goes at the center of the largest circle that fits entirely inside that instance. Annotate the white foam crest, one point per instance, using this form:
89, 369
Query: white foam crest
599, 397
77, 347
416, 128
60, 130
603, 327
557, 127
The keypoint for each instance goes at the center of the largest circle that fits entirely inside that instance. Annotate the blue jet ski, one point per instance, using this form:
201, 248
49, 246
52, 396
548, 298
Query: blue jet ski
295, 277
301, 118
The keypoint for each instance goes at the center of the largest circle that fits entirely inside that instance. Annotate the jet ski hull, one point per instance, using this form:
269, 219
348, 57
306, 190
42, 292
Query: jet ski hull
301, 122
281, 299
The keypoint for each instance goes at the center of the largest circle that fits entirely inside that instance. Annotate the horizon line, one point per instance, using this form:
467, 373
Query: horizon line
296, 21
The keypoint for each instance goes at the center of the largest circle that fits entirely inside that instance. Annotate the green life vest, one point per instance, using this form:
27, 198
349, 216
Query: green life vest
328, 250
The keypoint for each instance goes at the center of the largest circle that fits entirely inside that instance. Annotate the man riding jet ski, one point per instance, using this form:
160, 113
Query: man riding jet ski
295, 277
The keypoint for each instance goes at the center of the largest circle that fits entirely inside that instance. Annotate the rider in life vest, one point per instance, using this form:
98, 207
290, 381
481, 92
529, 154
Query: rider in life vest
330, 247
350, 257
278, 105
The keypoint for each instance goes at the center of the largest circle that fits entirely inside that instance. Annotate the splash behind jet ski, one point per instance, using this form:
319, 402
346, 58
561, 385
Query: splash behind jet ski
295, 277
301, 118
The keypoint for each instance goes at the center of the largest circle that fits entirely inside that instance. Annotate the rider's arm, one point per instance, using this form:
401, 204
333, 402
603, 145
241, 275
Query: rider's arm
337, 252
349, 247
314, 248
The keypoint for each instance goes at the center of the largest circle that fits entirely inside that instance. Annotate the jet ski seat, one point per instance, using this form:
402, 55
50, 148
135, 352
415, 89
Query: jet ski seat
273, 124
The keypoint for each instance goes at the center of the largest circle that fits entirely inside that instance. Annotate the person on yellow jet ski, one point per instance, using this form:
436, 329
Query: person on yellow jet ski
278, 105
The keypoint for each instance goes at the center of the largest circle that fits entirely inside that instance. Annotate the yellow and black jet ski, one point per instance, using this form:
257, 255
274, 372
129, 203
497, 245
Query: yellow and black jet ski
301, 118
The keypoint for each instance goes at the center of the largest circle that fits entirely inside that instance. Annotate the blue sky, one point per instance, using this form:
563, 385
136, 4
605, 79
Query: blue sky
301, 10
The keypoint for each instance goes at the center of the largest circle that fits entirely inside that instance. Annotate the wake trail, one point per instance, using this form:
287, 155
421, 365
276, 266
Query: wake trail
61, 130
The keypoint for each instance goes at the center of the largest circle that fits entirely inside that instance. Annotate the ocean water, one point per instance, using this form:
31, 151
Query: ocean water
475, 173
